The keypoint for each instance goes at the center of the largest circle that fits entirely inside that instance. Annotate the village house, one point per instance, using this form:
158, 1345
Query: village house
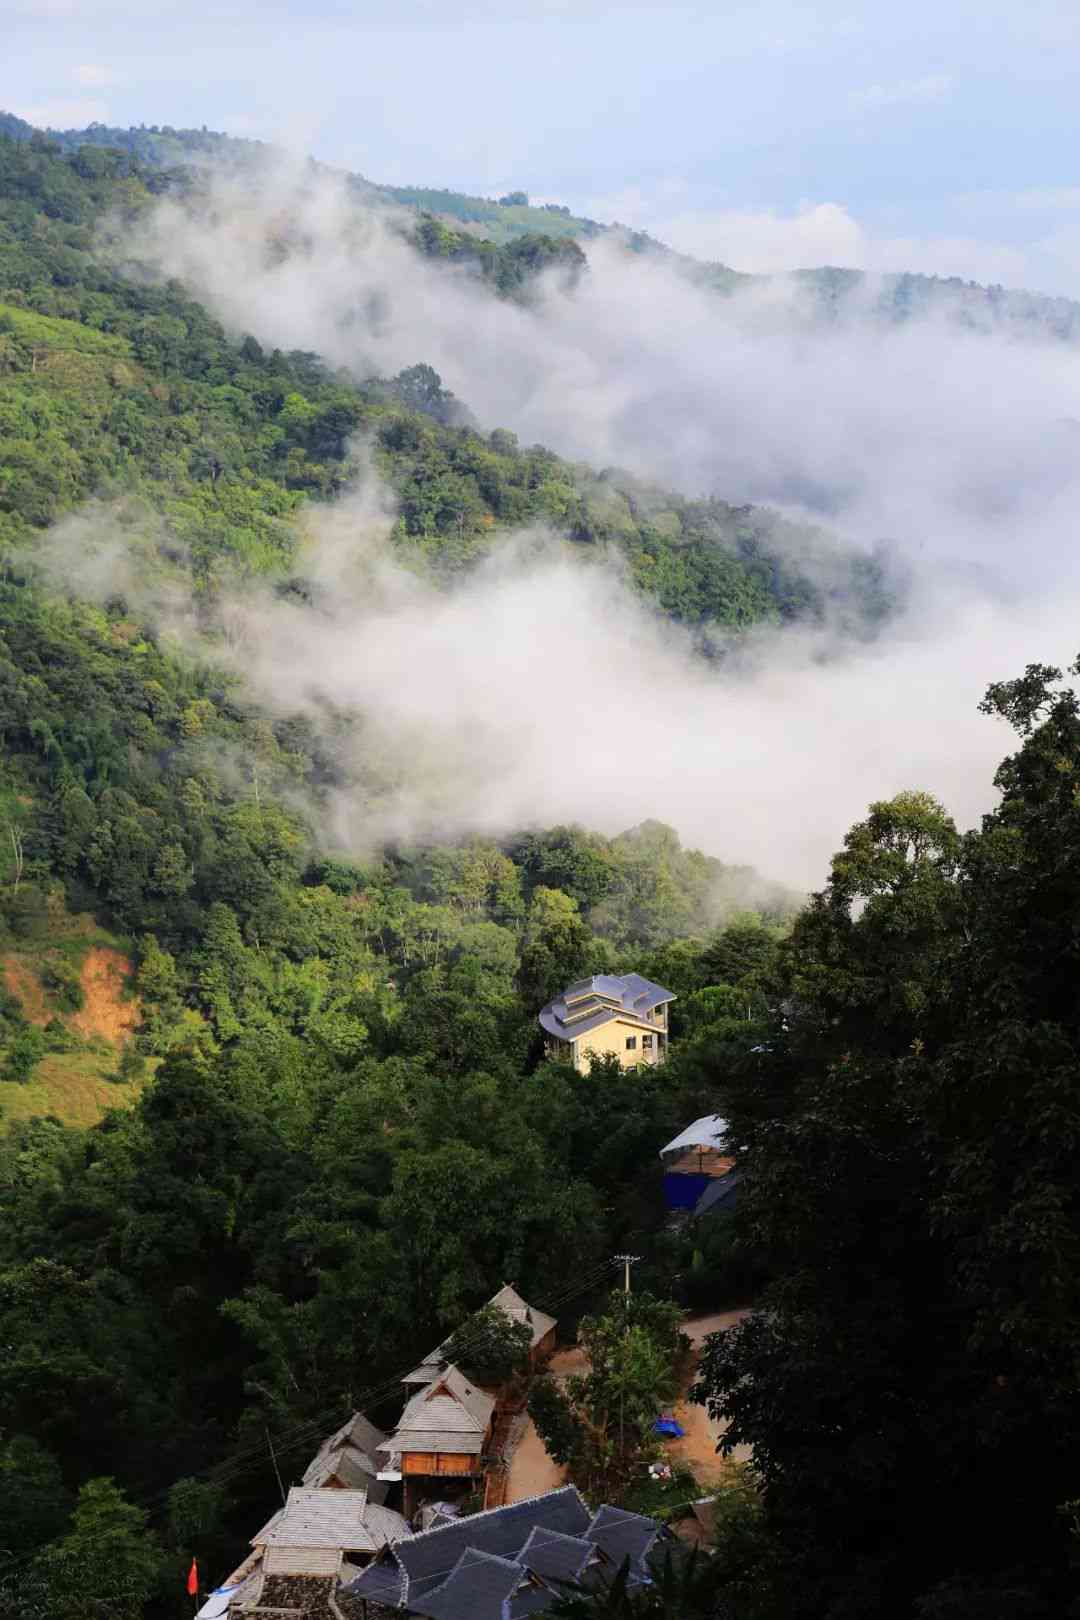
508, 1562
443, 1435
348, 1460
317, 1530
608, 1016
541, 1329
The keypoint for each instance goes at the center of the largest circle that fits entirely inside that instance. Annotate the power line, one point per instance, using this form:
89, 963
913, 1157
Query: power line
242, 1462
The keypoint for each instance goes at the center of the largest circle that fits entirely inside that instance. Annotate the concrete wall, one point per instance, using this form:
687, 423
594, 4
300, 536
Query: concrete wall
610, 1040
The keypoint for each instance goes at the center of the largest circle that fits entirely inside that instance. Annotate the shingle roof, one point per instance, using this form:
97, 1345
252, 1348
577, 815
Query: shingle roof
586, 1005
517, 1309
510, 1302
339, 1519
477, 1588
349, 1455
414, 1568
710, 1131
449, 1414
623, 1535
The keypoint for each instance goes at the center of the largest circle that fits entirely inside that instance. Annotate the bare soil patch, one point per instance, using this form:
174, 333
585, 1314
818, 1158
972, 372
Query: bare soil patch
106, 1011
21, 980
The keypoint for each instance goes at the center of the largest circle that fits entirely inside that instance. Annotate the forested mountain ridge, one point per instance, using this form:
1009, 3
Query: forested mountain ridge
348, 1142
823, 293
351, 1137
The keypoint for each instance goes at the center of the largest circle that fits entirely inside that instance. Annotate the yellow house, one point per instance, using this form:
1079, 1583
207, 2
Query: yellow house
608, 1016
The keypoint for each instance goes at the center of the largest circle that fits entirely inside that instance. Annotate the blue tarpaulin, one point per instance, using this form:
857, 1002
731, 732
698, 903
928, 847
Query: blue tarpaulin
668, 1427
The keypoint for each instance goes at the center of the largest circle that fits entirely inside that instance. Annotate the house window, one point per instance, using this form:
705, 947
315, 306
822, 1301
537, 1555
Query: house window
631, 1043
646, 1043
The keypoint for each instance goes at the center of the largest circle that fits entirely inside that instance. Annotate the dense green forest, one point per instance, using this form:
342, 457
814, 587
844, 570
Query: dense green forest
335, 1132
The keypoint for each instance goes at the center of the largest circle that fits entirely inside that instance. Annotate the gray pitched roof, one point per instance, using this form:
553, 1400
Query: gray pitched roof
721, 1195
556, 1556
349, 1455
621, 1535
449, 1414
586, 1005
410, 1570
517, 1309
510, 1302
478, 1587
339, 1519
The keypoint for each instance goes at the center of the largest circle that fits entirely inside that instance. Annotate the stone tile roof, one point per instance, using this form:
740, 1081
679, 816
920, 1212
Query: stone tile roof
587, 1005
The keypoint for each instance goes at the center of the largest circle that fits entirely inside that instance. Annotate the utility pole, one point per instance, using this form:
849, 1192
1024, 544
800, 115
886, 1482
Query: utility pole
628, 1260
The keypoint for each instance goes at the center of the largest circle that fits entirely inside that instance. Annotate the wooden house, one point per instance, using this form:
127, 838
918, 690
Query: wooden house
622, 1016
443, 1435
318, 1531
542, 1329
349, 1460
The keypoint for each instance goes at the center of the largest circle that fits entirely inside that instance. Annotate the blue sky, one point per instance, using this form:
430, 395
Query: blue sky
930, 136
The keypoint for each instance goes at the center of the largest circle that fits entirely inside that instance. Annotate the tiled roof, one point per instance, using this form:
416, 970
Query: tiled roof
556, 1556
621, 1535
429, 1558
477, 1589
591, 1002
339, 1519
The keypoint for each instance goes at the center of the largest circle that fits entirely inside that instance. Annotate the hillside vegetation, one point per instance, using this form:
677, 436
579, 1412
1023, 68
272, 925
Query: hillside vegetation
339, 1132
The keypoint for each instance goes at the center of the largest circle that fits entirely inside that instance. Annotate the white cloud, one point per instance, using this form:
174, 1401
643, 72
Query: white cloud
765, 241
958, 446
906, 93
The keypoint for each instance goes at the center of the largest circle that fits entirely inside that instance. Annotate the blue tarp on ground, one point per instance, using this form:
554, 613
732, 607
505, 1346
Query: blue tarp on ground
668, 1427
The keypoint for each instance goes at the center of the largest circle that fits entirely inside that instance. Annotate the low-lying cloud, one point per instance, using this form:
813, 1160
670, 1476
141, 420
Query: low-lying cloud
540, 691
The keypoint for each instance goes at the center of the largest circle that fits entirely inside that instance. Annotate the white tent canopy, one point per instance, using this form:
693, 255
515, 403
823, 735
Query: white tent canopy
710, 1131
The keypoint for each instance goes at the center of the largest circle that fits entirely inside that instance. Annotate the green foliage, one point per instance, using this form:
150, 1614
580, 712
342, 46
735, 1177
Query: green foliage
908, 1180
108, 1565
25, 1051
600, 1425
490, 1347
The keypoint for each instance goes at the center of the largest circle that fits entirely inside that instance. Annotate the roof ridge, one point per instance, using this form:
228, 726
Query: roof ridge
455, 1524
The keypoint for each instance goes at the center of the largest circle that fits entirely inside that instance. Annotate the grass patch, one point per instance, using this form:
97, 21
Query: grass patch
75, 1086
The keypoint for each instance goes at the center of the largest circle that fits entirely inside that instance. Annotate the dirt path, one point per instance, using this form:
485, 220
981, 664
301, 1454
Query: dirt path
531, 1469
697, 1448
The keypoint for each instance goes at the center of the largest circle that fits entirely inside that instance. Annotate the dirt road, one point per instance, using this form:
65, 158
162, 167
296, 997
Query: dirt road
532, 1471
697, 1449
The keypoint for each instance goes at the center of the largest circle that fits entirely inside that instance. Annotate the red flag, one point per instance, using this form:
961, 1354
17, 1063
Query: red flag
193, 1580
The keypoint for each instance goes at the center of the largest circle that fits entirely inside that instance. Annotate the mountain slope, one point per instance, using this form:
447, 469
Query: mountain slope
826, 293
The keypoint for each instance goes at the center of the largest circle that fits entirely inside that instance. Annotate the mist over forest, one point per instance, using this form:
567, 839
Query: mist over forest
414, 605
